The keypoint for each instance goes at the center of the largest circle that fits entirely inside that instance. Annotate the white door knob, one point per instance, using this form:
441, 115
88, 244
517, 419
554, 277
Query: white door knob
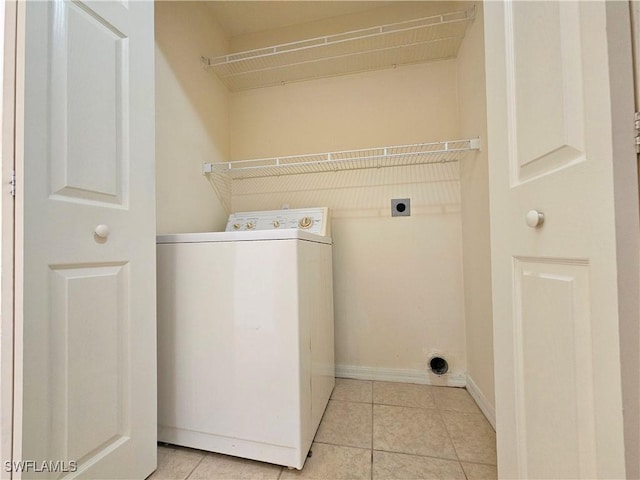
102, 231
534, 218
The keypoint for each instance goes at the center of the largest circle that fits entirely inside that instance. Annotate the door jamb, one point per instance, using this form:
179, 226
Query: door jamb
8, 38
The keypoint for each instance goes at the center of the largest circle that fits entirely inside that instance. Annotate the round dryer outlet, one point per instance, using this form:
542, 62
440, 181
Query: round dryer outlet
401, 207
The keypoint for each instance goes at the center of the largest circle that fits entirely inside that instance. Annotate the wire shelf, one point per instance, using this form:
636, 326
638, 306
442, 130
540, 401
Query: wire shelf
394, 156
221, 175
413, 41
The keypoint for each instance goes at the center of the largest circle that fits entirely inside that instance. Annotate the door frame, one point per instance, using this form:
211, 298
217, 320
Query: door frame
631, 393
8, 39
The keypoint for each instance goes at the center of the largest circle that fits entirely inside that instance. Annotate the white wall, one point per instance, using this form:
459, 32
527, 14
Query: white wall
191, 117
398, 281
474, 184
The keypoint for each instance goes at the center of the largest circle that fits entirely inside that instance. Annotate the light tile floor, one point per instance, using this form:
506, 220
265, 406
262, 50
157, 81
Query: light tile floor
370, 431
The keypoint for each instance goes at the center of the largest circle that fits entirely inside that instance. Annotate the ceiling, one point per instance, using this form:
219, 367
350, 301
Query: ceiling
241, 17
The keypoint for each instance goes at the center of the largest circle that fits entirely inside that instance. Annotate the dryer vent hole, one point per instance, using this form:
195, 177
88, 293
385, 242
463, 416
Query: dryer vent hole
438, 365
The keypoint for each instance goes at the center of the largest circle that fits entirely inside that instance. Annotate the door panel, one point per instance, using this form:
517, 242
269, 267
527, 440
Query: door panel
557, 74
87, 366
553, 297
89, 325
544, 52
89, 113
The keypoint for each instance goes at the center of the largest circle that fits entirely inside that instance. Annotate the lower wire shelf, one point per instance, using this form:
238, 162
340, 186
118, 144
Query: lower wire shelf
222, 173
379, 157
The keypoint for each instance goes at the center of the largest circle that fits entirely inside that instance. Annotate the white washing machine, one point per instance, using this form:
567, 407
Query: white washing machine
245, 335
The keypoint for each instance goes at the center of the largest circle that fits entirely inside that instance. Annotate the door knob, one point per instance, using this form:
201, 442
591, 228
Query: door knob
102, 231
534, 218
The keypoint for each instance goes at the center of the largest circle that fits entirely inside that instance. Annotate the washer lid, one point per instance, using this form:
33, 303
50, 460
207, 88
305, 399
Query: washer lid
314, 220
243, 236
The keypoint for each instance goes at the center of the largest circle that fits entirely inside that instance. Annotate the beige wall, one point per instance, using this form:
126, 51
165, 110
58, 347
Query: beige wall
398, 281
409, 104
191, 117
475, 213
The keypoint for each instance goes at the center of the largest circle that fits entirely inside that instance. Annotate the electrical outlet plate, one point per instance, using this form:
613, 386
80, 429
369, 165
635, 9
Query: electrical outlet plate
401, 207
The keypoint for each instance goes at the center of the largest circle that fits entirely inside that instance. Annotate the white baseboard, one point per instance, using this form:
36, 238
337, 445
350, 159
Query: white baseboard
484, 405
400, 375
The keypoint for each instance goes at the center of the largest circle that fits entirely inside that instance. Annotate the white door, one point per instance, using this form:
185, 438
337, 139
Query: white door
560, 116
85, 267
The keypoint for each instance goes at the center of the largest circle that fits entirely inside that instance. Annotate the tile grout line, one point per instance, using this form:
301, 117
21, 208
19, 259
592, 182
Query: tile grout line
440, 410
407, 406
417, 455
455, 449
480, 463
446, 429
342, 445
372, 427
349, 401
194, 468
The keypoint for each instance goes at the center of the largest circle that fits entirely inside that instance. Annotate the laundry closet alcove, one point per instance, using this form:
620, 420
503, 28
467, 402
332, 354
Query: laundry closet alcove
347, 105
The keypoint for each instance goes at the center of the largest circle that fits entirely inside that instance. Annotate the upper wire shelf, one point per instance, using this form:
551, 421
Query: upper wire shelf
393, 156
412, 41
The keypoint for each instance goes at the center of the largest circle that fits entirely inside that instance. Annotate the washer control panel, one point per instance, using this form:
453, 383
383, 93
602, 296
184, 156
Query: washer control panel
314, 220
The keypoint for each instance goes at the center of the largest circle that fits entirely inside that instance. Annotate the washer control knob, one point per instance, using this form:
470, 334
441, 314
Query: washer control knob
305, 222
250, 225
236, 226
276, 224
